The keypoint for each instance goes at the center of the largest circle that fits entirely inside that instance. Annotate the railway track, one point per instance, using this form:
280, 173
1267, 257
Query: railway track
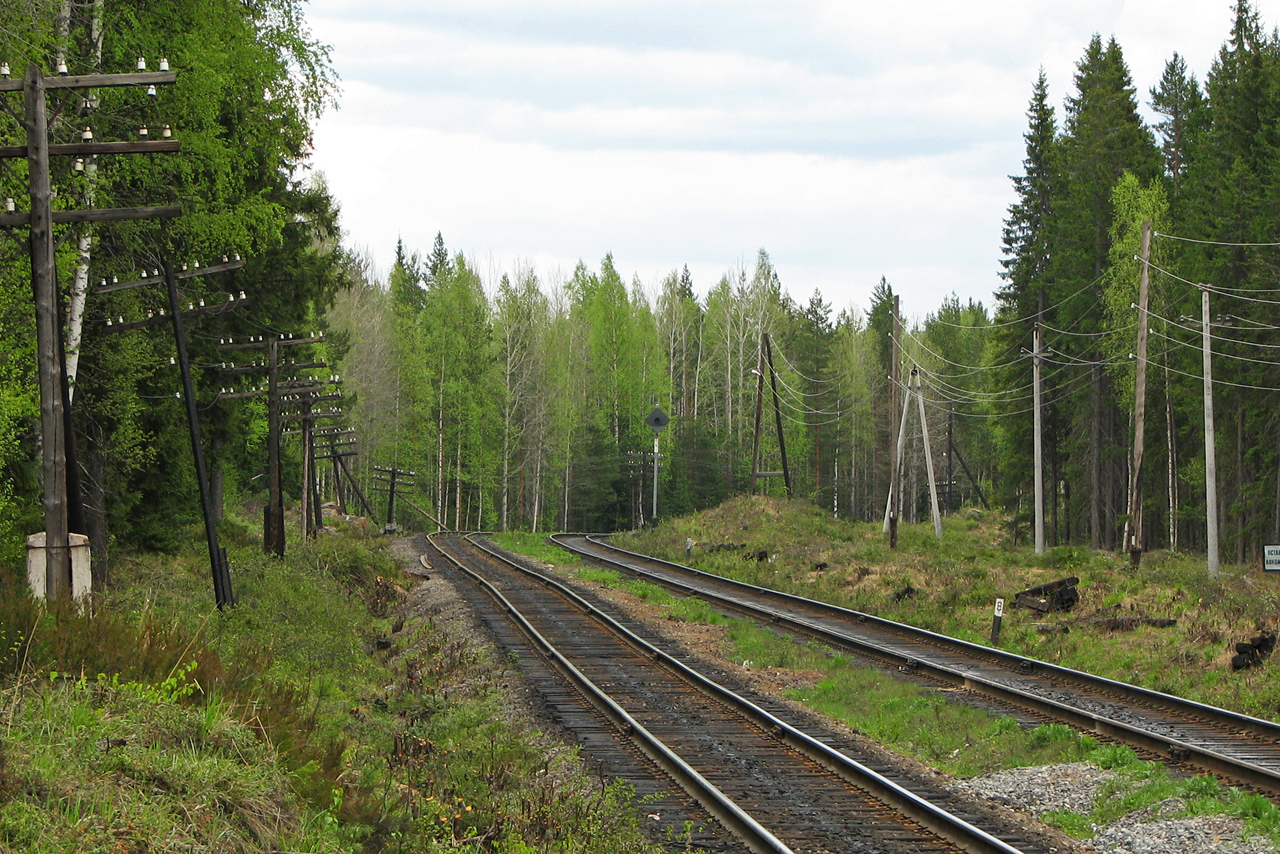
774, 786
1240, 749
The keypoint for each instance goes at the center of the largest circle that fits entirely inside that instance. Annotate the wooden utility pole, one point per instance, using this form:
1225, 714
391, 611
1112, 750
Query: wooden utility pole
337, 474
755, 439
1134, 529
45, 288
273, 514
895, 478
951, 450
766, 360
1210, 440
777, 415
51, 372
895, 441
222, 592
1038, 442
928, 454
307, 497
395, 477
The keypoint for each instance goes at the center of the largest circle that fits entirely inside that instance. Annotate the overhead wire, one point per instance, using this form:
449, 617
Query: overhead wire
1224, 355
1018, 320
1195, 331
1209, 242
1215, 382
796, 370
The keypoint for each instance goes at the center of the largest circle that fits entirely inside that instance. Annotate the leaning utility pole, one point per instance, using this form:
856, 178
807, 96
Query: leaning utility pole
1038, 441
40, 220
1134, 529
219, 568
1210, 439
222, 593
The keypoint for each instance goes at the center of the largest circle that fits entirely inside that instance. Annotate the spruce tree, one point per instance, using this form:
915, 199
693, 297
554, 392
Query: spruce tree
1179, 100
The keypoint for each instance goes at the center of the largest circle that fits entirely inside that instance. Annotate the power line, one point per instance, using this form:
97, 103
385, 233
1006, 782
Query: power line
1217, 382
1018, 320
1209, 242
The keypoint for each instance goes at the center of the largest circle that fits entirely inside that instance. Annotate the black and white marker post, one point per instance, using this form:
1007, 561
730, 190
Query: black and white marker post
1271, 563
995, 623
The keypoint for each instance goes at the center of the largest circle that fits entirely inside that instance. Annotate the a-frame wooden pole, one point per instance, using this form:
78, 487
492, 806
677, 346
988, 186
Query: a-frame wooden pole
928, 454
895, 478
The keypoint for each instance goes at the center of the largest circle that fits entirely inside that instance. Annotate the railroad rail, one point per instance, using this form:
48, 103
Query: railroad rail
1239, 748
774, 786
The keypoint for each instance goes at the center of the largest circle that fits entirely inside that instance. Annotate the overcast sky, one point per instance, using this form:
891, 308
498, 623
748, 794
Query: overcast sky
849, 139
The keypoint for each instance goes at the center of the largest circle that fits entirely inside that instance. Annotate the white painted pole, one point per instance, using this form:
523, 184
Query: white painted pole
1210, 443
1039, 445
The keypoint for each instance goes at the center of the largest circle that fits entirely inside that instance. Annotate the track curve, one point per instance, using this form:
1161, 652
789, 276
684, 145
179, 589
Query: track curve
1241, 749
796, 786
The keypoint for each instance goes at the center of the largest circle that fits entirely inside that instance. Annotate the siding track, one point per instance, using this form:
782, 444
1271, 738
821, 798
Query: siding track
1240, 749
776, 788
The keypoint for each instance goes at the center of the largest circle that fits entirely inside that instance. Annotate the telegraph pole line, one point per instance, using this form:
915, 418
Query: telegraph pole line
1134, 528
273, 532
1210, 440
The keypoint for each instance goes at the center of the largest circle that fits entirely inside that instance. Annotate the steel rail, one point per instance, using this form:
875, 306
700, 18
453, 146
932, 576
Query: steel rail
941, 822
729, 814
1177, 749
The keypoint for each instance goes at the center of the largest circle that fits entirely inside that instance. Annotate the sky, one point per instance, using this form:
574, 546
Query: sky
850, 140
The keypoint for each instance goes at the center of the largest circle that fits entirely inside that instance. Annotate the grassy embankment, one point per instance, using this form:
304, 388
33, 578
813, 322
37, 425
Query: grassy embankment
318, 715
955, 582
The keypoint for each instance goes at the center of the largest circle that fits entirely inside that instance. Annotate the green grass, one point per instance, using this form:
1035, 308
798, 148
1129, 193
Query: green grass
1146, 786
277, 725
536, 546
960, 576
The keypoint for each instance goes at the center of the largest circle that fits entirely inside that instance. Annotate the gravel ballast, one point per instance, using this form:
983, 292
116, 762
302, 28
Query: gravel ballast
1075, 787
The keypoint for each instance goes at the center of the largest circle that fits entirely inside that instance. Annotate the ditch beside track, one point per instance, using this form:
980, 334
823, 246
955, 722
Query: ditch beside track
1239, 749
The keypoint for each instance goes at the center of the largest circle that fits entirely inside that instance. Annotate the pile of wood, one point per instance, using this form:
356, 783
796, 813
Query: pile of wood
1250, 653
1060, 595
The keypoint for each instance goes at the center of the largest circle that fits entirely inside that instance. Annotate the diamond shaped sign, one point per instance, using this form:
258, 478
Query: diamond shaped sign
657, 419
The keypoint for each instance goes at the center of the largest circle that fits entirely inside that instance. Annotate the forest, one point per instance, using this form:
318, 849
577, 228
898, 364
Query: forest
518, 397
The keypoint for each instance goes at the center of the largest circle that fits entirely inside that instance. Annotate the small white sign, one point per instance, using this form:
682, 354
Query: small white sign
1271, 558
1000, 602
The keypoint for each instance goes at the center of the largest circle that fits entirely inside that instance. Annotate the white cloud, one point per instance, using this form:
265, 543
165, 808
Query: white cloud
850, 139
